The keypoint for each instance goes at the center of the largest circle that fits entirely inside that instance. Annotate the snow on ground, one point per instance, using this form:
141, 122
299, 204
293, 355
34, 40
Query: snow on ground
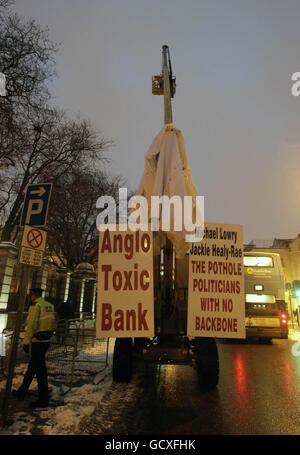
79, 404
294, 334
71, 407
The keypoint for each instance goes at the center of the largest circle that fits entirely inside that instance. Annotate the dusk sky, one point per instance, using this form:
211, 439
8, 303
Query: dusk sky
233, 61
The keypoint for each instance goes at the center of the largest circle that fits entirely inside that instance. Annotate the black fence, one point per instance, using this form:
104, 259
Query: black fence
75, 355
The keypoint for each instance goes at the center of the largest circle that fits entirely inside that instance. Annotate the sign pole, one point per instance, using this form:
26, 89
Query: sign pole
25, 274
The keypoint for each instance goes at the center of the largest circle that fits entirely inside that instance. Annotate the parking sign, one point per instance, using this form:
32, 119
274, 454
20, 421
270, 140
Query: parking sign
36, 203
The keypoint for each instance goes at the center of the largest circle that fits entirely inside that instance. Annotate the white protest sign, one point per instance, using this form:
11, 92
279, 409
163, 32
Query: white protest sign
216, 300
125, 305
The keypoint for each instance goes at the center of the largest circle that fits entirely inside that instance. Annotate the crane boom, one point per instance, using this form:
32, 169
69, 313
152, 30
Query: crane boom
165, 84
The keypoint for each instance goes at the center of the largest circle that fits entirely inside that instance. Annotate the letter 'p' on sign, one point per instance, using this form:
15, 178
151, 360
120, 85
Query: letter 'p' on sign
36, 203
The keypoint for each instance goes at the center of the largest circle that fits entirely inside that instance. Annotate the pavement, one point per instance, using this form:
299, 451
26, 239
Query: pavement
294, 332
65, 413
67, 407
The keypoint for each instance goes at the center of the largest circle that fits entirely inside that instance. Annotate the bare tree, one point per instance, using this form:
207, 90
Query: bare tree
40, 143
47, 145
71, 225
27, 61
5, 4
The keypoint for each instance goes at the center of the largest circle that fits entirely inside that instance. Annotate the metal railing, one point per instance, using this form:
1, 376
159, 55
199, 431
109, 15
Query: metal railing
75, 349
74, 352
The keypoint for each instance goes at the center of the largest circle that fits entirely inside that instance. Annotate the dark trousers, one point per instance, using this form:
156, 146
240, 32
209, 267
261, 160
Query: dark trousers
37, 366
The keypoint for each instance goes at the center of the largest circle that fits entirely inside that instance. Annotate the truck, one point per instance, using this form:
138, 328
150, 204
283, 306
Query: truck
170, 345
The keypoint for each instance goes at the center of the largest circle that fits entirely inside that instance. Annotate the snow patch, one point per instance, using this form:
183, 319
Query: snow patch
77, 404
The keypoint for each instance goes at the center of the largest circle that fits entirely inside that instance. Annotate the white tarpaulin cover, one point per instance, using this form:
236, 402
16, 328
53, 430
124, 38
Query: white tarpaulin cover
167, 172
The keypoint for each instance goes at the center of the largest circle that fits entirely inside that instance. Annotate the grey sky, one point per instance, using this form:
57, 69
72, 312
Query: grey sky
233, 60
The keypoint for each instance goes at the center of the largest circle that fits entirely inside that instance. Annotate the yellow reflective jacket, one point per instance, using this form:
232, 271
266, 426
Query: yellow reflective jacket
41, 318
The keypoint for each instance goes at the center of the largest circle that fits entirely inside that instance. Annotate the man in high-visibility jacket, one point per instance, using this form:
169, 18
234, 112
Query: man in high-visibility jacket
38, 333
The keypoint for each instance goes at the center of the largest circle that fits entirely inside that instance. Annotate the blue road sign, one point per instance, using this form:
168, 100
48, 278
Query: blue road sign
36, 203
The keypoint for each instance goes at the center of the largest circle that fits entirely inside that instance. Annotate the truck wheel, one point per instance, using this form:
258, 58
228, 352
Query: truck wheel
207, 362
122, 360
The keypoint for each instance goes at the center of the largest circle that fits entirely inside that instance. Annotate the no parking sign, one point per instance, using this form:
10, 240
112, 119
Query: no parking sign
33, 246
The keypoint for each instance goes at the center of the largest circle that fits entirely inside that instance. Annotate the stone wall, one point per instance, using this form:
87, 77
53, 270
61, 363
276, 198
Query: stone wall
59, 283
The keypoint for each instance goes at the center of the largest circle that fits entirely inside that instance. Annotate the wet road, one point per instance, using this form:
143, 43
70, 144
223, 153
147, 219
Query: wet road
258, 393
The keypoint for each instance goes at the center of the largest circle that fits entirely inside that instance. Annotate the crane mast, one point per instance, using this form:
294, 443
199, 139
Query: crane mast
165, 84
